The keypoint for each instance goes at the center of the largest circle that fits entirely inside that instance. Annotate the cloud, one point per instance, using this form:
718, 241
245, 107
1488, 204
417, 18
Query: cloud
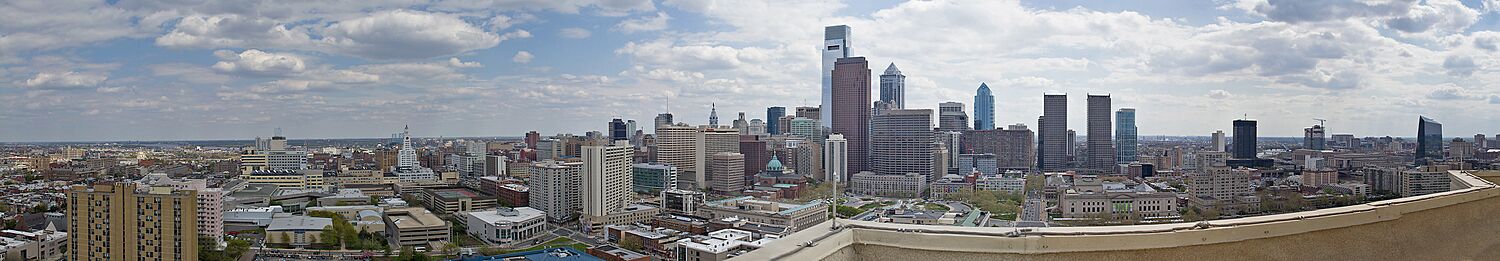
1494, 99
574, 33
645, 23
1219, 94
64, 80
396, 34
1452, 93
1460, 65
522, 57
456, 63
259, 63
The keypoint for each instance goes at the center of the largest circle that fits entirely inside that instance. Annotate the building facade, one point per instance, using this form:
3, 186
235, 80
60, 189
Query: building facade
123, 222
893, 87
901, 142
554, 189
908, 185
1052, 145
851, 109
984, 108
1125, 135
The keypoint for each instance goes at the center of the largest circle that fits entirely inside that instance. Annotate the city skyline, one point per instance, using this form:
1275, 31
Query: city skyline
179, 77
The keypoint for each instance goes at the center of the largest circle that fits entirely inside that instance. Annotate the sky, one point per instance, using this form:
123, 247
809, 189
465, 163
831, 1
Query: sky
185, 69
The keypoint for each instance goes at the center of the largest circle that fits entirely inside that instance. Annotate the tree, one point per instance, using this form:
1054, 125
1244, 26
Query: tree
847, 211
815, 192
631, 243
330, 236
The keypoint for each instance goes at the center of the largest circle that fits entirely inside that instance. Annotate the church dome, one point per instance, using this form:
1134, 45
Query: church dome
774, 165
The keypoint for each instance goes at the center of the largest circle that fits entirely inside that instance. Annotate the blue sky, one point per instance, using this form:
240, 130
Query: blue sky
183, 69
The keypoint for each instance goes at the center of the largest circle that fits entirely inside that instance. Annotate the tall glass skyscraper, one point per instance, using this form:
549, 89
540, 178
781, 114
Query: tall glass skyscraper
1053, 132
851, 109
1101, 154
1244, 140
1429, 140
773, 119
893, 87
835, 46
984, 108
1125, 135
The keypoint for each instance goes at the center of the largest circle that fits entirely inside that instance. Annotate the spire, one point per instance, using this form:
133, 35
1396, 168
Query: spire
713, 114
891, 70
984, 88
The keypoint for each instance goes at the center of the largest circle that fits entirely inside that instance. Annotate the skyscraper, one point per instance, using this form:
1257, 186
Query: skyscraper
837, 158
554, 187
617, 130
901, 142
712, 141
606, 178
984, 108
951, 117
741, 124
676, 146
663, 119
1244, 139
1429, 140
773, 119
1125, 135
1053, 133
1480, 142
893, 87
726, 172
1314, 138
835, 47
851, 108
117, 222
1100, 141
1219, 143
630, 129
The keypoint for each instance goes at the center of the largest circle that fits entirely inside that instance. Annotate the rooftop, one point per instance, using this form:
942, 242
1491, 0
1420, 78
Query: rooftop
550, 254
294, 223
506, 215
413, 218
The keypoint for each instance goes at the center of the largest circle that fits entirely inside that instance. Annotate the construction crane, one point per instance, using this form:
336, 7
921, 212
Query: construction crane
1322, 122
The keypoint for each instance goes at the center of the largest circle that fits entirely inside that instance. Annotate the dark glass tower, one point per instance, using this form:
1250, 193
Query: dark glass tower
773, 119
617, 130
984, 108
851, 109
1244, 139
1429, 140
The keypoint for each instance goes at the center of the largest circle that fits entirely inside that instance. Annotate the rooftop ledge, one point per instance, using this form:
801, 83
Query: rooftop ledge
1460, 224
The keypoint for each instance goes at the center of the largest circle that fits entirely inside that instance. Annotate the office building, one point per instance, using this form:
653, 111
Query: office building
1052, 145
618, 130
984, 108
407, 168
415, 227
773, 116
1101, 146
951, 117
908, 185
1090, 198
123, 222
851, 109
1218, 141
901, 142
712, 141
1480, 143
606, 179
505, 226
756, 155
650, 178
1125, 135
663, 119
726, 173
554, 188
793, 216
1244, 139
1012, 147
806, 128
836, 158
835, 47
893, 87
1314, 138
1429, 140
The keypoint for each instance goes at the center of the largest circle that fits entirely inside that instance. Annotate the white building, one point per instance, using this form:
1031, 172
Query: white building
607, 178
719, 245
909, 185
837, 158
554, 188
407, 169
506, 226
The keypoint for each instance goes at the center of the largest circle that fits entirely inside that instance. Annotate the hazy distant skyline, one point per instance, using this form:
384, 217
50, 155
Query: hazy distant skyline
174, 70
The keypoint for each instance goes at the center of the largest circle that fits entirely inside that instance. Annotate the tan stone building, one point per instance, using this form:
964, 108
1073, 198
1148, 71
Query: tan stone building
122, 222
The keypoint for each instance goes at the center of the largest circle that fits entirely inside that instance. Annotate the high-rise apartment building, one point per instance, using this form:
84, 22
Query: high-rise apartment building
901, 142
951, 117
1219, 143
1101, 145
727, 173
984, 108
1429, 140
851, 108
1244, 139
1125, 135
1053, 144
1314, 138
123, 222
773, 119
756, 155
1012, 147
210, 203
607, 178
835, 47
893, 87
836, 158
554, 188
676, 146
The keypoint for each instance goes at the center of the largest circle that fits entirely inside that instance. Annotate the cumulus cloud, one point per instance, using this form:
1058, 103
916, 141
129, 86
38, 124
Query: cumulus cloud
522, 57
1453, 93
396, 34
257, 62
645, 23
456, 63
574, 33
1219, 94
1460, 65
63, 80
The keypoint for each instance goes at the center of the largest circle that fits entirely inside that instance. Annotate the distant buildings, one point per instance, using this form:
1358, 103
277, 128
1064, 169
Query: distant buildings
984, 108
1218, 142
909, 185
650, 178
901, 142
893, 87
1052, 143
1012, 147
726, 172
407, 169
1125, 136
1244, 139
1313, 138
951, 117
1101, 155
773, 116
1429, 140
851, 108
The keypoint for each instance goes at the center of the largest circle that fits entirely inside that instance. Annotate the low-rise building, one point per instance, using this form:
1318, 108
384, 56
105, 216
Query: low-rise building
791, 215
296, 231
1090, 199
505, 226
631, 214
290, 179
43, 245
415, 227
909, 185
455, 199
513, 195
612, 253
681, 202
718, 245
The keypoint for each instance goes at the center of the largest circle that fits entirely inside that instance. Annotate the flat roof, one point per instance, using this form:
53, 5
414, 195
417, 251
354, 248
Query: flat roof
294, 223
507, 215
413, 218
550, 254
